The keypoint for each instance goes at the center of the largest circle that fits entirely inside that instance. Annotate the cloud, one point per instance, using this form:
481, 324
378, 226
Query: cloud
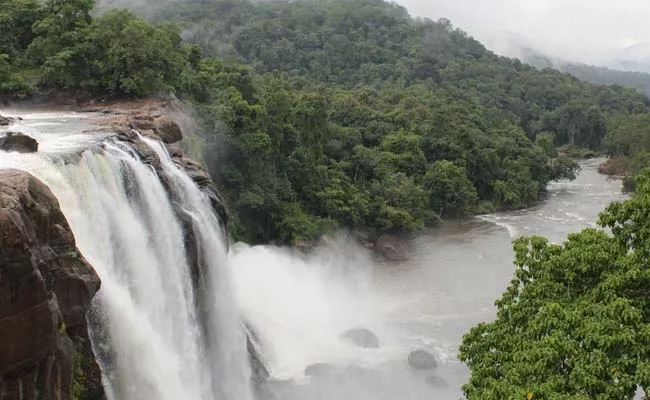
580, 30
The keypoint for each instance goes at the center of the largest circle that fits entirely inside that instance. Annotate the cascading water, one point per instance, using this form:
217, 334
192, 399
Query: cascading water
157, 334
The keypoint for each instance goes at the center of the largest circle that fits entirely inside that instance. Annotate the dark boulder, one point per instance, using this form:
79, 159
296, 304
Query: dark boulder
420, 359
16, 141
46, 286
361, 337
168, 130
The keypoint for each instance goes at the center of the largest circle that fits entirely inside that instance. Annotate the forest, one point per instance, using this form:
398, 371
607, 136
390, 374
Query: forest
319, 115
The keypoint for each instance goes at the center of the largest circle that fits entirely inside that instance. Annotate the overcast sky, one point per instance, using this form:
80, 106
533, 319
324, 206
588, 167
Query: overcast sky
580, 30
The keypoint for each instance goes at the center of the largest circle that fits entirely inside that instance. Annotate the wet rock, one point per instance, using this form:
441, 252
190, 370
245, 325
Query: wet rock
420, 359
255, 356
46, 287
203, 180
392, 247
4, 121
361, 337
16, 141
168, 130
142, 124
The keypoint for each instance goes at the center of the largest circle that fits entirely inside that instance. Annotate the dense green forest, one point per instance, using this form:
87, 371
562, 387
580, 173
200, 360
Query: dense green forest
416, 120
326, 114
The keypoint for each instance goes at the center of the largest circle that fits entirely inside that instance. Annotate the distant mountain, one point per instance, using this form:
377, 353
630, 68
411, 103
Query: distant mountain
629, 68
633, 58
602, 75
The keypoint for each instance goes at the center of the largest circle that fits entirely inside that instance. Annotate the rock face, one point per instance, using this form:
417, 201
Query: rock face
392, 247
46, 287
16, 141
361, 337
257, 363
420, 359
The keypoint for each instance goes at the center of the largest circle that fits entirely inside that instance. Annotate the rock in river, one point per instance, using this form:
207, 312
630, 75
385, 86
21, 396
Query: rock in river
16, 141
361, 337
168, 130
420, 359
4, 121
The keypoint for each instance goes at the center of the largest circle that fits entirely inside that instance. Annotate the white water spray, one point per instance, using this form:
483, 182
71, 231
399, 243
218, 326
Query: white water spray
152, 338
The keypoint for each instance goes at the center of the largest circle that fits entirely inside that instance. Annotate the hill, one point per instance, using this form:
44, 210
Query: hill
392, 102
327, 114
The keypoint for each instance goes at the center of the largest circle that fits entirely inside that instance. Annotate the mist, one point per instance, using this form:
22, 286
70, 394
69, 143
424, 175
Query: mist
587, 31
298, 305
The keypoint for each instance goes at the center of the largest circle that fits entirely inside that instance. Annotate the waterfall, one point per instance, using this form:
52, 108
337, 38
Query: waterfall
156, 334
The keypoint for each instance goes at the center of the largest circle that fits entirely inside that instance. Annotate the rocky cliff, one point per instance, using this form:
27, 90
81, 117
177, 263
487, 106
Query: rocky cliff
46, 287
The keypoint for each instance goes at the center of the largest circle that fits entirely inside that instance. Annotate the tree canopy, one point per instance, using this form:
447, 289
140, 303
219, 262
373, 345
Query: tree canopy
325, 114
575, 321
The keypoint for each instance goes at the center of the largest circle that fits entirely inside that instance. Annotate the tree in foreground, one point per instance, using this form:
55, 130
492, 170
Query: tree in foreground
575, 321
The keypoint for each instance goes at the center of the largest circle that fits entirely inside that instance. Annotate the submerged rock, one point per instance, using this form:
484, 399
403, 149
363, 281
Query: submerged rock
420, 359
16, 141
361, 337
46, 287
437, 382
324, 369
329, 370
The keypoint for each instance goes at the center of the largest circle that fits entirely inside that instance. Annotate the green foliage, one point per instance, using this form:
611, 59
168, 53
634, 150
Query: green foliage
353, 113
57, 46
451, 193
78, 377
574, 322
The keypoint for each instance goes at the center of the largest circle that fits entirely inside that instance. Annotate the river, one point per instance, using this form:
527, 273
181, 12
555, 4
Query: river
457, 271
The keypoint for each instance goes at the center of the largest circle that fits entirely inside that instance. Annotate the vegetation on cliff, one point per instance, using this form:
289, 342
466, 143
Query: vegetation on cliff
322, 114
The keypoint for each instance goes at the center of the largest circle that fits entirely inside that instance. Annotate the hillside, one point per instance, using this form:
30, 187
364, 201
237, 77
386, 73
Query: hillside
327, 114
414, 103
